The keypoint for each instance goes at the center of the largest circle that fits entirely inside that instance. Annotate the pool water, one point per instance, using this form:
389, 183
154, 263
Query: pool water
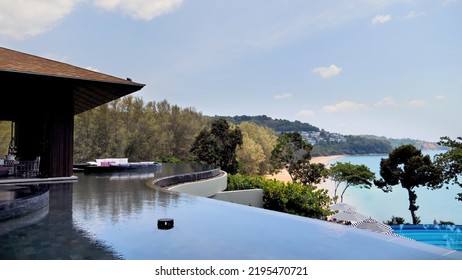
114, 216
447, 236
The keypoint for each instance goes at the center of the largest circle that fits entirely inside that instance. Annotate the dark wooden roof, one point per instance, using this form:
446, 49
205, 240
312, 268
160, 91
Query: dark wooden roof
26, 79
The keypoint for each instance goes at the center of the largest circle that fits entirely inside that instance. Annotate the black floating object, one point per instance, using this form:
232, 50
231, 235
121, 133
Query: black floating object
165, 223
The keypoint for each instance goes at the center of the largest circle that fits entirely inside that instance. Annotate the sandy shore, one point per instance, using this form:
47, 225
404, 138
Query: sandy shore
284, 176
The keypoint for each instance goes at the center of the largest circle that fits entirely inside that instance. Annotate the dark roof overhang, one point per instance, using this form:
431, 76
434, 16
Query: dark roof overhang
29, 81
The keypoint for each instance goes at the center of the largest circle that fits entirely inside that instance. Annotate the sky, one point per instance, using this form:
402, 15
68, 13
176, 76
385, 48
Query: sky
383, 67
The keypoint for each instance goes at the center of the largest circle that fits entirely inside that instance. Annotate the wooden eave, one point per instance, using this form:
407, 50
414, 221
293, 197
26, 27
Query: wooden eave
29, 78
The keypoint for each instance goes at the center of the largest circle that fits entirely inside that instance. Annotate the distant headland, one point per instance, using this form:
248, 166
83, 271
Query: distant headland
327, 143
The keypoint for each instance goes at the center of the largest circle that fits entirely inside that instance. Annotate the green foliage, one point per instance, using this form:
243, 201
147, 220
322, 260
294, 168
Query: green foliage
290, 151
446, 223
218, 145
128, 127
255, 152
354, 145
5, 137
289, 198
351, 175
406, 165
309, 173
171, 160
451, 161
395, 221
278, 125
294, 153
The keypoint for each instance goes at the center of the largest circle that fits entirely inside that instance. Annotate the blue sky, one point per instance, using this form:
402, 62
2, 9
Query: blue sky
382, 67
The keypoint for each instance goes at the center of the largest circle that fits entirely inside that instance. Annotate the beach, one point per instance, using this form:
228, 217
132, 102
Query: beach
284, 176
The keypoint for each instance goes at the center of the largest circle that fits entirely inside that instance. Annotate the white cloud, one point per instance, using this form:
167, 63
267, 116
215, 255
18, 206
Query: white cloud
379, 19
20, 19
306, 114
414, 14
440, 97
328, 72
141, 9
386, 102
283, 95
417, 103
345, 106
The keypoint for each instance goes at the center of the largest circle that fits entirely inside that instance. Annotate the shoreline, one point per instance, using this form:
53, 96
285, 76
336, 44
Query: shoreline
328, 185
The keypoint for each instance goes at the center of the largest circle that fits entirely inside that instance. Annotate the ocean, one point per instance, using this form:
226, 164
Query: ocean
433, 205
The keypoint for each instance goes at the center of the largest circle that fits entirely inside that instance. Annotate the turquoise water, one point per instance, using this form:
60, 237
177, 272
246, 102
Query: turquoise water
447, 236
434, 204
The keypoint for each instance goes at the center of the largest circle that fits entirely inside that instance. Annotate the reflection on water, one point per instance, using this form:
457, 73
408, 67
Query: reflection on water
50, 235
69, 227
100, 217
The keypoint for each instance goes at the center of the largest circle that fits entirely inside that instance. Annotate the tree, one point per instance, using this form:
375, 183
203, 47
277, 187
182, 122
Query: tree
406, 165
5, 136
395, 221
218, 145
290, 152
250, 155
351, 175
255, 153
128, 127
451, 161
309, 173
294, 153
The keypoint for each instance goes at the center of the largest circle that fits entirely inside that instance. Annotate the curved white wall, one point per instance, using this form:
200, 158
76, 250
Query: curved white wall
205, 188
214, 188
252, 197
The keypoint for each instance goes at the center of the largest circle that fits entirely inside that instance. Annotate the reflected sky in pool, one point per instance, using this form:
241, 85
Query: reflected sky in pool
114, 216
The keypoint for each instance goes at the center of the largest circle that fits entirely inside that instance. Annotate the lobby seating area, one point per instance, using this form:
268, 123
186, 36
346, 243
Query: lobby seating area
19, 168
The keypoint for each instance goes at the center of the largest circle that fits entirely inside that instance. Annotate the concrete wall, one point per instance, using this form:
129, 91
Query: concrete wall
166, 182
22, 206
252, 197
205, 188
210, 184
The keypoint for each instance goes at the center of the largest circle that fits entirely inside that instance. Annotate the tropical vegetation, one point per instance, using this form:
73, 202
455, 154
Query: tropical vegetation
353, 145
255, 152
451, 162
5, 136
277, 125
292, 198
140, 131
250, 146
351, 175
294, 153
407, 166
217, 145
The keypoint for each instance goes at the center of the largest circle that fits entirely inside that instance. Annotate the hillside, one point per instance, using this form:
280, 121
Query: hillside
277, 125
328, 143
419, 144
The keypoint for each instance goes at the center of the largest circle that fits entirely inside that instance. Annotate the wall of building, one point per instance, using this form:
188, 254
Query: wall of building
205, 188
245, 197
212, 187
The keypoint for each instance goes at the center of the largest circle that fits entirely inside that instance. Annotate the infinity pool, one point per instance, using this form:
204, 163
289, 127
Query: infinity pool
115, 216
447, 236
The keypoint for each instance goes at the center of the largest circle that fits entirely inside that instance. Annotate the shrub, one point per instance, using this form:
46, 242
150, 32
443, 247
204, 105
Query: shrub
292, 198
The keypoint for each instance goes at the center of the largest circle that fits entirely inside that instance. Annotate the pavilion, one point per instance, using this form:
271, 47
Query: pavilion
42, 96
